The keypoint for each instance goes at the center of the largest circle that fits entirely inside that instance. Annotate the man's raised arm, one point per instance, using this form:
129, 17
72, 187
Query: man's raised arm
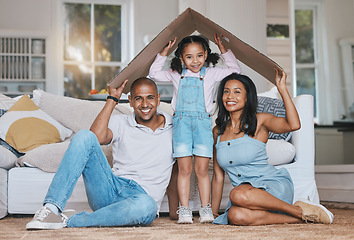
100, 126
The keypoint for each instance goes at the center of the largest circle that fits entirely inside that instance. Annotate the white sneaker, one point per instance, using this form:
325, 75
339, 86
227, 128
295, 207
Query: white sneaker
184, 215
46, 219
68, 213
206, 214
313, 212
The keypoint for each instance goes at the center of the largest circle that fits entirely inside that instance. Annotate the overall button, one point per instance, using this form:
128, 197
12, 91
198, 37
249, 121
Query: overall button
230, 162
238, 175
228, 143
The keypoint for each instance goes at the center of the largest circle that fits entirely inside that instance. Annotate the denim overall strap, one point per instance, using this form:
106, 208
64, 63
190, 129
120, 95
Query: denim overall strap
190, 96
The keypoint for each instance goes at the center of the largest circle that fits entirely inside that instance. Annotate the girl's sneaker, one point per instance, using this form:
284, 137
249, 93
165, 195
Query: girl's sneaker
184, 215
206, 214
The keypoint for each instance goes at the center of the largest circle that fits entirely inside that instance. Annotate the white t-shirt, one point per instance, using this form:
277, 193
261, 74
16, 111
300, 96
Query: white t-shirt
141, 154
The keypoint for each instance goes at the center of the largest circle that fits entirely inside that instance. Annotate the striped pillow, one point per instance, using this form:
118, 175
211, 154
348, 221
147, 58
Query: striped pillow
275, 107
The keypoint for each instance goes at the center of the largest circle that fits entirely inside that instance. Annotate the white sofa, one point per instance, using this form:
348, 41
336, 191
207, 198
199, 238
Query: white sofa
27, 186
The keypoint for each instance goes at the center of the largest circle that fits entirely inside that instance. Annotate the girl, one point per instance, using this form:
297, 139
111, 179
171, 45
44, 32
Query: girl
262, 194
192, 102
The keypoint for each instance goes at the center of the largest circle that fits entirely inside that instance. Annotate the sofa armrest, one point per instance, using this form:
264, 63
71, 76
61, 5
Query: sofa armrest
304, 138
3, 192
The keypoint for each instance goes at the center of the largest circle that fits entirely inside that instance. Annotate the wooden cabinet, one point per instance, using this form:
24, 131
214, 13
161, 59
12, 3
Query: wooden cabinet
22, 64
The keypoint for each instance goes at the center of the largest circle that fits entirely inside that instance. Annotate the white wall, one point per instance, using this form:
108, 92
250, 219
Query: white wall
31, 15
339, 21
246, 19
151, 17
279, 49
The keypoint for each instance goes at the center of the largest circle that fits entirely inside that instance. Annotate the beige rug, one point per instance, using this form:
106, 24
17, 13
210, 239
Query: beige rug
164, 228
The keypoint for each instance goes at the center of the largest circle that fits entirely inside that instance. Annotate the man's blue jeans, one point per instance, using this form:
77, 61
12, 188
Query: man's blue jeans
115, 201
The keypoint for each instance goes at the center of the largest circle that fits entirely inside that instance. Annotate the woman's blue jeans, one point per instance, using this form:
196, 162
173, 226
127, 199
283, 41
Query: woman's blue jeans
115, 201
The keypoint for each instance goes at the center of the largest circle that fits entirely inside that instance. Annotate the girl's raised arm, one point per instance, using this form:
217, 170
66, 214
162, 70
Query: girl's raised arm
219, 43
156, 71
168, 47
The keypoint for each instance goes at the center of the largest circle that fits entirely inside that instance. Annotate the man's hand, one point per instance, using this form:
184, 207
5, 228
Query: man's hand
117, 92
100, 125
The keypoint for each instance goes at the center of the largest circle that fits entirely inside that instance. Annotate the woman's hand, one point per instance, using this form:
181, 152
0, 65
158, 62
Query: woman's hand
219, 43
168, 47
291, 122
280, 81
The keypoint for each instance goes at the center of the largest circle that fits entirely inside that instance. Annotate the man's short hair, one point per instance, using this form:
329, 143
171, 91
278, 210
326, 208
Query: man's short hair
142, 81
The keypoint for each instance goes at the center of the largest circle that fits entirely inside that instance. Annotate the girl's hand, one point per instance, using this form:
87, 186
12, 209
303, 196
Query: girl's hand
280, 81
219, 43
117, 92
168, 47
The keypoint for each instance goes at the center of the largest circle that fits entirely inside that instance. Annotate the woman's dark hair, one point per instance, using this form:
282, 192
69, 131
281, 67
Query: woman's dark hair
176, 64
248, 117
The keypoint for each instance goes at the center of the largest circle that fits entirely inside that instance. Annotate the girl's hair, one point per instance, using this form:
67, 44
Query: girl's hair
248, 118
176, 64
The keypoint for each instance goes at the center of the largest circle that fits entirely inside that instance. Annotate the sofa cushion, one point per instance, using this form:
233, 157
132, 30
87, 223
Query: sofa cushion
75, 114
7, 158
279, 152
6, 102
48, 157
26, 127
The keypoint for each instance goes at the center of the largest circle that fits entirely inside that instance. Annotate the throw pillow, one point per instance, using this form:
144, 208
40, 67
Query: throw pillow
275, 107
73, 113
7, 158
272, 93
6, 102
279, 152
26, 127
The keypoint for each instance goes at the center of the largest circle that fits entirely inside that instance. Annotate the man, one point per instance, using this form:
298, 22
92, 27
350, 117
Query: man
131, 192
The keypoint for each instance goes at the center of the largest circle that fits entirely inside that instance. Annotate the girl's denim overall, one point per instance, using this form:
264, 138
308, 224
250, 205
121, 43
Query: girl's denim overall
192, 133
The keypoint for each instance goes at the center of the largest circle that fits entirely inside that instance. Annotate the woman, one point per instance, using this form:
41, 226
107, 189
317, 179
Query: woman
262, 194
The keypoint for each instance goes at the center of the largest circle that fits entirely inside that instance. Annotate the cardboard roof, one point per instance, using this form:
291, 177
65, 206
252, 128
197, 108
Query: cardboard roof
185, 24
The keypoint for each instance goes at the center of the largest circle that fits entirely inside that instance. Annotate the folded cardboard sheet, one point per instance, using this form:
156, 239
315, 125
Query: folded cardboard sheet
185, 24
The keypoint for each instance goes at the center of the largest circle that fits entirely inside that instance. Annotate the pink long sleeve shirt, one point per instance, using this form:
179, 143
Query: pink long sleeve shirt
212, 75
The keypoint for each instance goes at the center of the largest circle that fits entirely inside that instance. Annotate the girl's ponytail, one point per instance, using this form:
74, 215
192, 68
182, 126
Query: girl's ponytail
212, 58
176, 65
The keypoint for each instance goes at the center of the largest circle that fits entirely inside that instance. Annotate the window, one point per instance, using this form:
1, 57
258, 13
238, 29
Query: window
311, 56
277, 31
306, 53
93, 46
